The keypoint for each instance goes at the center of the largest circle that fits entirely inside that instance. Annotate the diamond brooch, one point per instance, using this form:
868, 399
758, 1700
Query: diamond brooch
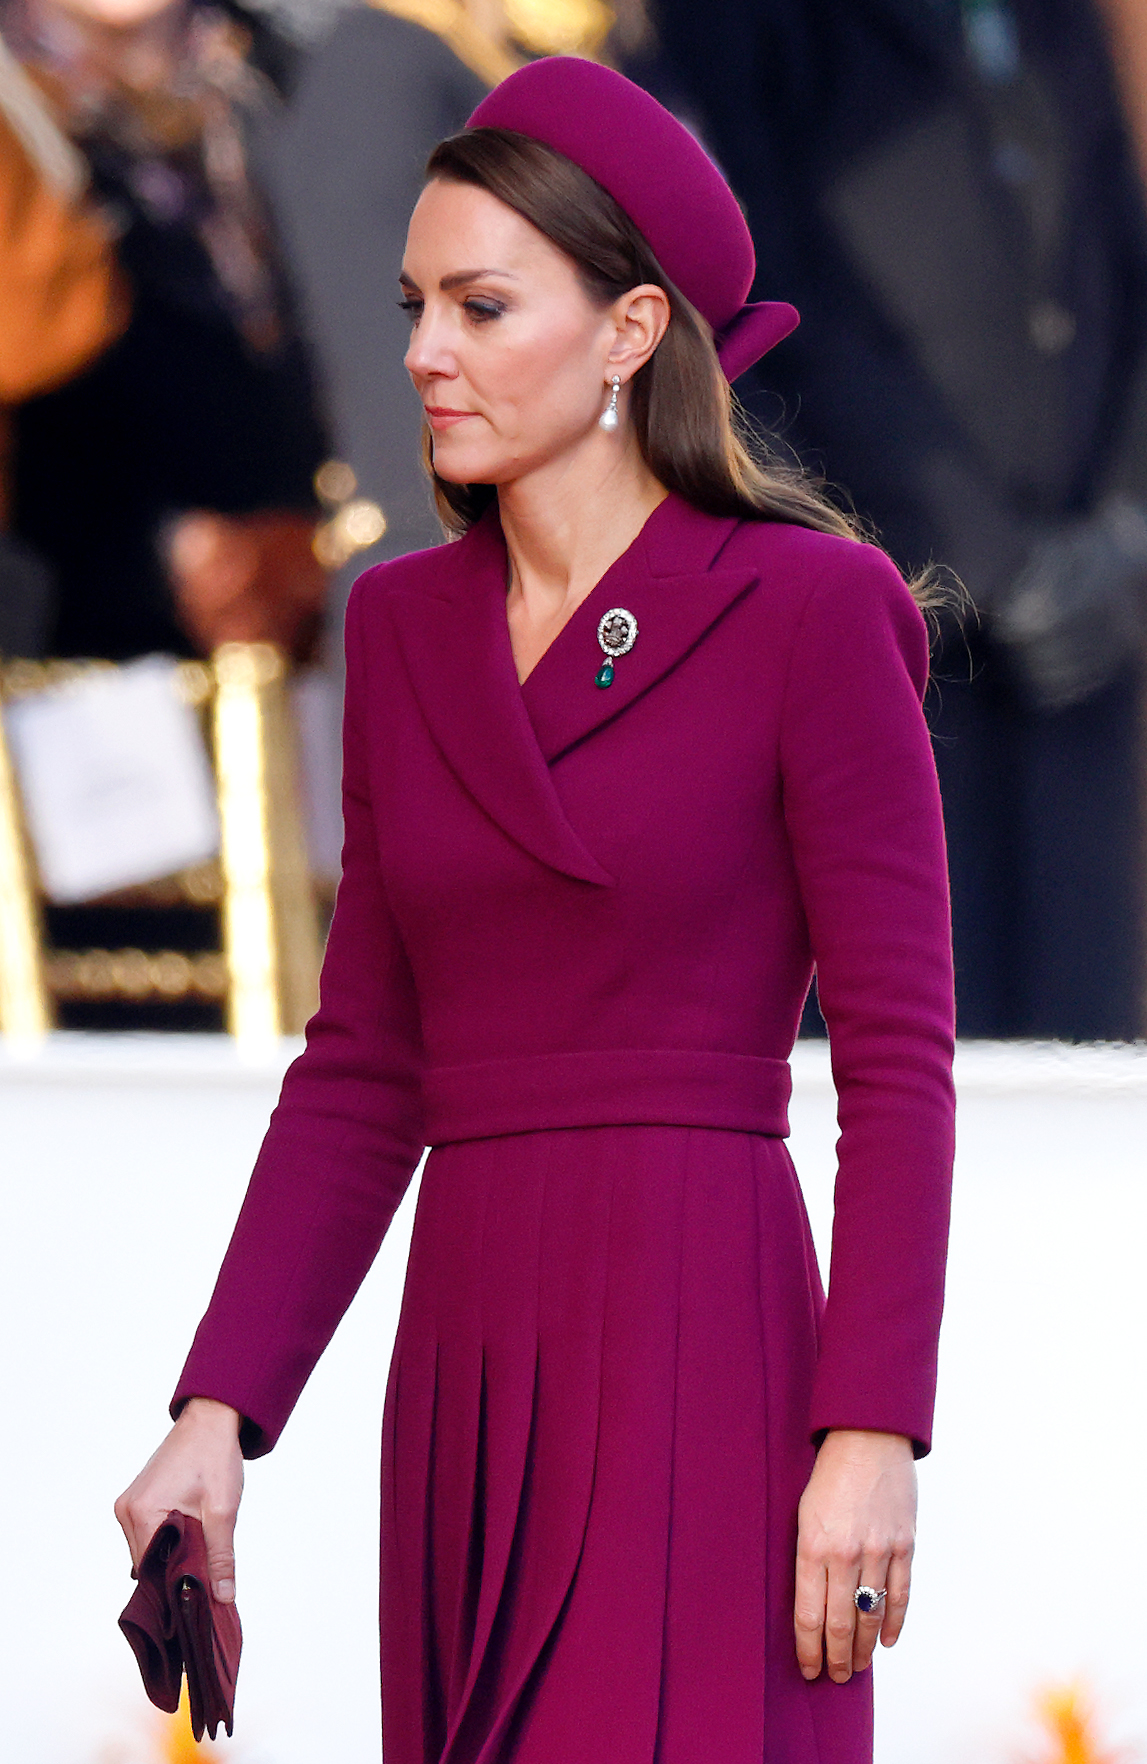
616, 633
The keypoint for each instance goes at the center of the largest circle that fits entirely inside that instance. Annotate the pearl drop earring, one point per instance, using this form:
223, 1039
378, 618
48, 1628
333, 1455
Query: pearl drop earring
609, 418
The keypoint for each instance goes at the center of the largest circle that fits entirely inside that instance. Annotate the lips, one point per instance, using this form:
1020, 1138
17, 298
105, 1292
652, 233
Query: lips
439, 417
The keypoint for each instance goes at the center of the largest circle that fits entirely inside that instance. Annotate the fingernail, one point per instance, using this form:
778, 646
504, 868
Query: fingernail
225, 1591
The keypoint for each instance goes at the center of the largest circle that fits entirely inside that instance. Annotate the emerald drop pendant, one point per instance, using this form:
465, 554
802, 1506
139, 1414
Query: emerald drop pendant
616, 633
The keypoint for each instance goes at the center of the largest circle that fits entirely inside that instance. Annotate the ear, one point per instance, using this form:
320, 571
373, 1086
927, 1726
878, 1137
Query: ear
641, 319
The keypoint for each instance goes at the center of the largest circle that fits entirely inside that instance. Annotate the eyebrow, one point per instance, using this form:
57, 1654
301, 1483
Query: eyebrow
460, 278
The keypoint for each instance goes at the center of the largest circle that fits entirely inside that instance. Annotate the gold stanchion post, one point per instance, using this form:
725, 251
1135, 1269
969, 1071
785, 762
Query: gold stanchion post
270, 925
25, 1012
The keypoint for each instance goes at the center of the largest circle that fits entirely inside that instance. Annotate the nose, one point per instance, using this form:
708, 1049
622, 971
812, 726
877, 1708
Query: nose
429, 355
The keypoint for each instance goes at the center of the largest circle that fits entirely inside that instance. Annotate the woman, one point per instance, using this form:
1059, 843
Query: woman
619, 764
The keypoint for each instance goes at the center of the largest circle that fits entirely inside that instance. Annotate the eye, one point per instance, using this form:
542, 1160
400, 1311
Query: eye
481, 311
412, 308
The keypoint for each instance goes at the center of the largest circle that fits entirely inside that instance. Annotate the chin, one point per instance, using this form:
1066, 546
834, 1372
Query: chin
456, 466
454, 474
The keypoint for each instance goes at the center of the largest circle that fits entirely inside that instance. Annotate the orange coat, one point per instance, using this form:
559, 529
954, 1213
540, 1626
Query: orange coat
62, 300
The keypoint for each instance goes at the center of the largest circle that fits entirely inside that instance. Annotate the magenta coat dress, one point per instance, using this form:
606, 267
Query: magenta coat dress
573, 939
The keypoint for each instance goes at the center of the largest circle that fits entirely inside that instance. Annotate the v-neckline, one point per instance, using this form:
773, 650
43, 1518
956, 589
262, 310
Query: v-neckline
576, 617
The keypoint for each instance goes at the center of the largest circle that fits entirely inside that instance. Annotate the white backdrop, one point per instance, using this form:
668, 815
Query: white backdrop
124, 1160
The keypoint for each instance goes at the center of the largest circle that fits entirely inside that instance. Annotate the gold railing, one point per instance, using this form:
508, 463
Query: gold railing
266, 973
25, 1010
270, 929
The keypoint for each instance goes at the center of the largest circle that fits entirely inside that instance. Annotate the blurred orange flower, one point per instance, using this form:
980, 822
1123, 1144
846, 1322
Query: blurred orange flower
176, 1743
1068, 1715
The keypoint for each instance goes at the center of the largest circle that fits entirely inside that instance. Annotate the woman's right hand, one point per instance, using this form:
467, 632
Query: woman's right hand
197, 1470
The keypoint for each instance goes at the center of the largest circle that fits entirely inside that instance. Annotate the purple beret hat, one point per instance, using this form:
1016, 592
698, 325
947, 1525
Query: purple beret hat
662, 177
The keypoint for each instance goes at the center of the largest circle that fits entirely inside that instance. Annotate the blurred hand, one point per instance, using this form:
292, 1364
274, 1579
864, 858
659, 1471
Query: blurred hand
1073, 616
247, 579
857, 1527
197, 1470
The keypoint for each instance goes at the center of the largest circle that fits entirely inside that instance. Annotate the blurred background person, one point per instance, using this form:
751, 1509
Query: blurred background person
948, 193
386, 83
62, 301
167, 487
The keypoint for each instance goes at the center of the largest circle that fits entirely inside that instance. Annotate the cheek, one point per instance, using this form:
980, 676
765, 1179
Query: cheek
542, 384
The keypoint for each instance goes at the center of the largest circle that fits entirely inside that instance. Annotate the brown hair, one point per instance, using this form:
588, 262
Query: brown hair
689, 427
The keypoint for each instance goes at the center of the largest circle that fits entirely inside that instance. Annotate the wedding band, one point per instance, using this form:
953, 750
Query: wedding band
866, 1598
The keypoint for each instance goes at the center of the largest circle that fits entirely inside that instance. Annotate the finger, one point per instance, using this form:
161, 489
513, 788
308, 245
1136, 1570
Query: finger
808, 1615
123, 1515
896, 1604
874, 1574
219, 1536
840, 1619
138, 1524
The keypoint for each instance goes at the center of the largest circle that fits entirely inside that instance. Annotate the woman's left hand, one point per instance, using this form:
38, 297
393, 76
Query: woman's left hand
857, 1527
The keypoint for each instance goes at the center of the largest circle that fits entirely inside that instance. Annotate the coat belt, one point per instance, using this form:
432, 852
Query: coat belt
606, 1087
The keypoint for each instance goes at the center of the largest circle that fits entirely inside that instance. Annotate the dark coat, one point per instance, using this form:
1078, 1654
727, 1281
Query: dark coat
968, 256
964, 362
345, 173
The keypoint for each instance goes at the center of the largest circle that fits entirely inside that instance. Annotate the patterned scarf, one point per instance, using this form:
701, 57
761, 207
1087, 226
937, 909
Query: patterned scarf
161, 109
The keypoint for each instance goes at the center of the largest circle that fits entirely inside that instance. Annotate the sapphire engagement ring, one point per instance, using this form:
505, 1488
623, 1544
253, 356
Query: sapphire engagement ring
867, 1598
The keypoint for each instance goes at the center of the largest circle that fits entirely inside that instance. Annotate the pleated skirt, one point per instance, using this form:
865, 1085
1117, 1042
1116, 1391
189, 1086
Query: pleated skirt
595, 1440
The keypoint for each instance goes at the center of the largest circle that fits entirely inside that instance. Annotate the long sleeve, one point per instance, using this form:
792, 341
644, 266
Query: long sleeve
863, 812
341, 1148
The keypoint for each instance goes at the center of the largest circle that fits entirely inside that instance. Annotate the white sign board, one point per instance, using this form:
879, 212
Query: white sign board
115, 780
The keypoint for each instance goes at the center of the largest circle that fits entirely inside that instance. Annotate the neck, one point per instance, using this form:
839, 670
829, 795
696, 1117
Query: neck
566, 524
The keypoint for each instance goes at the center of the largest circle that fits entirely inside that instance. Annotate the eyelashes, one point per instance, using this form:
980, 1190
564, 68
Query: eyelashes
478, 311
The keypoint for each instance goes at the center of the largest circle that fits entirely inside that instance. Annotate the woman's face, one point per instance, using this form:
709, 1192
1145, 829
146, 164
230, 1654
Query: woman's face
507, 353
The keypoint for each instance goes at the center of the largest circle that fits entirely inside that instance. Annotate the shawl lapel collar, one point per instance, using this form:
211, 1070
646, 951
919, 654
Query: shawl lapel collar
455, 644
667, 581
499, 737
